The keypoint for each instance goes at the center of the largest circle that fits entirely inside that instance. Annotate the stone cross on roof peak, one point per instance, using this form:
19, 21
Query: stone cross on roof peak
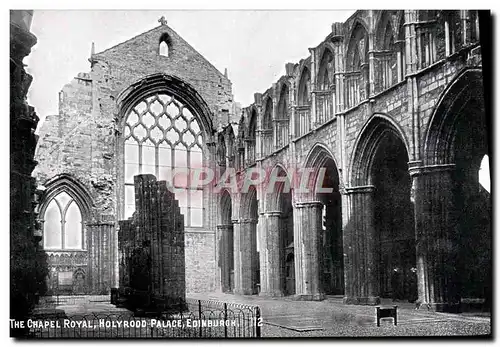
162, 20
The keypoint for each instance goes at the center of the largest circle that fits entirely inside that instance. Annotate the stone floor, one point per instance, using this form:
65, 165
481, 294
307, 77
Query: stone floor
283, 317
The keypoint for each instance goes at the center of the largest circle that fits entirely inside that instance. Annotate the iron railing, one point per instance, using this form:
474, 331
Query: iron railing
196, 319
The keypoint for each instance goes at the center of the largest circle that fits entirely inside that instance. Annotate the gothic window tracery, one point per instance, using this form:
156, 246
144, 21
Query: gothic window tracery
163, 138
63, 224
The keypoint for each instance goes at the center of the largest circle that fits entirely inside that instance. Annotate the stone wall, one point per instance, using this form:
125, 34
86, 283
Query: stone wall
431, 61
82, 140
151, 243
28, 264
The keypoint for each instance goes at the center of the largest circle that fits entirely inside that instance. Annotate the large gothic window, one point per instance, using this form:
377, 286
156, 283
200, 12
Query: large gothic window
162, 137
62, 227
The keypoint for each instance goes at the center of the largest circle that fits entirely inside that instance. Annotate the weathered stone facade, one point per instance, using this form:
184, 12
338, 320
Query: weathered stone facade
373, 105
151, 246
84, 144
385, 104
27, 261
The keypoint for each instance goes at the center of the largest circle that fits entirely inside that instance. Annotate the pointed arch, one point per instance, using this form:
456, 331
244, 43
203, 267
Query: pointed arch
225, 208
357, 46
267, 120
439, 144
357, 85
162, 133
164, 45
230, 148
249, 205
326, 69
250, 139
267, 127
73, 187
304, 90
375, 130
274, 196
252, 122
283, 102
319, 157
283, 118
65, 209
221, 149
163, 83
318, 153
325, 95
384, 29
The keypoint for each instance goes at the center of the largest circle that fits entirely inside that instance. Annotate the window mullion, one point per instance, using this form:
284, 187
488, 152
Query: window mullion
157, 162
188, 198
140, 157
63, 229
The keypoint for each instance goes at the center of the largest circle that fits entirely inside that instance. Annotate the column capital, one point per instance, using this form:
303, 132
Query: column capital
359, 189
247, 221
430, 169
308, 204
272, 213
224, 226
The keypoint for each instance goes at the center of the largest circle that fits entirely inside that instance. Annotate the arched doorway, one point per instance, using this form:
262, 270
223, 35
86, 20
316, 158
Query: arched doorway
226, 243
457, 142
255, 247
286, 238
333, 255
472, 203
278, 248
394, 220
325, 183
246, 248
380, 243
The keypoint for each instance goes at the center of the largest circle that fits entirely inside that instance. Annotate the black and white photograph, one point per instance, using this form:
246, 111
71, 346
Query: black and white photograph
250, 174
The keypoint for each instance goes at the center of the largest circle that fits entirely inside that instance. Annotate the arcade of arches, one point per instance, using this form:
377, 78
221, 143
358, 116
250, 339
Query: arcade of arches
387, 112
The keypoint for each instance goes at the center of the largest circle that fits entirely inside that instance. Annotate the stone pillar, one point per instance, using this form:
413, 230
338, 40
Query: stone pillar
308, 250
101, 262
270, 255
436, 239
226, 256
314, 120
466, 27
274, 115
245, 256
411, 59
360, 266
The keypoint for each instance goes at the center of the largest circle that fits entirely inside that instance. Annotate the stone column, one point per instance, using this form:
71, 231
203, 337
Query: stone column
411, 59
245, 256
360, 265
275, 112
270, 255
226, 256
308, 250
100, 261
314, 120
436, 237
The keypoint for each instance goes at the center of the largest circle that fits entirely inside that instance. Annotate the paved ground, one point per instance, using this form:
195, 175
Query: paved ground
283, 317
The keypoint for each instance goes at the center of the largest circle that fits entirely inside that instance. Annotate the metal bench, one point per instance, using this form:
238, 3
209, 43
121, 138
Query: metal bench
387, 312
